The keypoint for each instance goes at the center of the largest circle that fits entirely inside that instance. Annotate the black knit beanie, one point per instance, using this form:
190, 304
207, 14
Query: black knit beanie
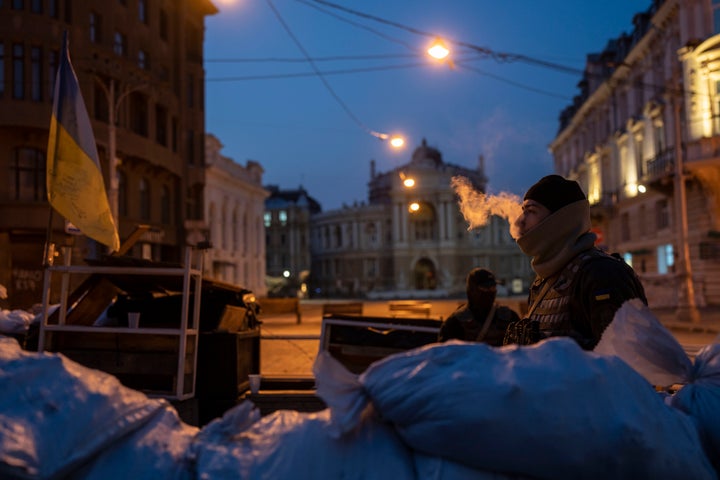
554, 192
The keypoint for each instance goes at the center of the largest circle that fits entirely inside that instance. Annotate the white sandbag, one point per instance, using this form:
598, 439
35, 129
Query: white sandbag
549, 410
15, 321
155, 451
56, 414
428, 467
700, 399
637, 336
294, 445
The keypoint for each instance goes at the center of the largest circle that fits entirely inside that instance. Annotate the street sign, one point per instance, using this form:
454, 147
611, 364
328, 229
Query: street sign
71, 229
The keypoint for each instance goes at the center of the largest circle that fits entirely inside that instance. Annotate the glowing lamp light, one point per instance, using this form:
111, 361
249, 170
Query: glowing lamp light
413, 207
641, 188
286, 273
438, 50
409, 182
397, 141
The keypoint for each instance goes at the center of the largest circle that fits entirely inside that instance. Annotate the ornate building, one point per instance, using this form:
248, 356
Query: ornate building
410, 241
643, 138
140, 68
235, 203
287, 221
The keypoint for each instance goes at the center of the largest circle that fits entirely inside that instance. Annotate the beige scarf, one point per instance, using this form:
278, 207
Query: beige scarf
558, 239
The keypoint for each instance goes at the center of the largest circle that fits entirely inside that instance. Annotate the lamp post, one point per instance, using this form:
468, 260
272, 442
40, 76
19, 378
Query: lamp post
113, 106
686, 307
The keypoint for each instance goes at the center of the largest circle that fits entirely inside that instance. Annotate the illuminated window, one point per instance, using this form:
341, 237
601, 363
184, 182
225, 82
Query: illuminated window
665, 258
282, 216
95, 28
267, 219
628, 258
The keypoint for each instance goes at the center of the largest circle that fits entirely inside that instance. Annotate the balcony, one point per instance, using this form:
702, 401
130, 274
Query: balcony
660, 170
605, 206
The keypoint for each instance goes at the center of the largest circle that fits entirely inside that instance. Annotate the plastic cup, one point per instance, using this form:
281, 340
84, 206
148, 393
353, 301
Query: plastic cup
254, 383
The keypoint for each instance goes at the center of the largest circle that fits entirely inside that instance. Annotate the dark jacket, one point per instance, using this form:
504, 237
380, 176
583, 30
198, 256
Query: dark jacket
462, 324
582, 301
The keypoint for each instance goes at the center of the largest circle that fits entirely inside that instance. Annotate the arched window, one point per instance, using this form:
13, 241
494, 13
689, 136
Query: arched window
424, 222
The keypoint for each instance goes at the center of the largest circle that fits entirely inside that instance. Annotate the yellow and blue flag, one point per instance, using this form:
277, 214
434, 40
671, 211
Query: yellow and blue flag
74, 179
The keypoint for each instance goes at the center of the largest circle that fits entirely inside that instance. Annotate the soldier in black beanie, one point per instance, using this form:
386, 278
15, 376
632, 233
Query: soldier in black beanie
578, 287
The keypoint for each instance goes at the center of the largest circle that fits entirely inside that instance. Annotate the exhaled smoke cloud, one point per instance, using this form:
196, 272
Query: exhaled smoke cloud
477, 207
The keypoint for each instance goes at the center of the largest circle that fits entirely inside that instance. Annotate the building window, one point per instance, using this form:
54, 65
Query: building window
161, 125
36, 74
36, 6
95, 28
165, 205
142, 11
716, 16
665, 258
53, 8
662, 215
27, 180
101, 108
144, 199
119, 44
139, 114
625, 227
628, 257
122, 194
267, 219
143, 60
639, 161
18, 4
282, 216
710, 250
53, 56
18, 71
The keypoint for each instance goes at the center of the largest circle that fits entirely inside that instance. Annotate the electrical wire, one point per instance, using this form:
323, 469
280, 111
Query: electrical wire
315, 59
313, 74
345, 107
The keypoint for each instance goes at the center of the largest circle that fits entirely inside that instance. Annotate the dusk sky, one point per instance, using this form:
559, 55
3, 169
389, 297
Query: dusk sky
303, 134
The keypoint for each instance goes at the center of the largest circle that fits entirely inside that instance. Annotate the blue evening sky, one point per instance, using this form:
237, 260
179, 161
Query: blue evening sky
302, 136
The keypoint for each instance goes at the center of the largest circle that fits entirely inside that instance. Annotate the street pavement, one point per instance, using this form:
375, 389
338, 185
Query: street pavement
288, 349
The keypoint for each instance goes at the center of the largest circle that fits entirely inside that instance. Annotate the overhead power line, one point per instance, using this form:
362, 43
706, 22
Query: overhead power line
322, 77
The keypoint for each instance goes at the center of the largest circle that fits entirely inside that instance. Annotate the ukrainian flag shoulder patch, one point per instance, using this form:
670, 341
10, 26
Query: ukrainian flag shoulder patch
602, 295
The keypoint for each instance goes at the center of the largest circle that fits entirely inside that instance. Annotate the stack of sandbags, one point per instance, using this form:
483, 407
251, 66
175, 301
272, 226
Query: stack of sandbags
550, 410
638, 338
59, 419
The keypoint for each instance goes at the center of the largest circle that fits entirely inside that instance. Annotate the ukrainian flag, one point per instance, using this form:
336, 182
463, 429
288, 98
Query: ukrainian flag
74, 180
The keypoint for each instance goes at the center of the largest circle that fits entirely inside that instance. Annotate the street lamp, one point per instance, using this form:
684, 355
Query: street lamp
438, 50
113, 106
686, 307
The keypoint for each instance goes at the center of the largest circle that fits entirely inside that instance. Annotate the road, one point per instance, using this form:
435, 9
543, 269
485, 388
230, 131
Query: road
289, 349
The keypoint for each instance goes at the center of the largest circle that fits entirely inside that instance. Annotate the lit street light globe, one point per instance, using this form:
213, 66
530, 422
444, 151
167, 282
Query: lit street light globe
438, 50
397, 141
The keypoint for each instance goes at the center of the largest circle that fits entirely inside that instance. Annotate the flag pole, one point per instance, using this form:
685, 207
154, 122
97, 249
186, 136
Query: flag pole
49, 249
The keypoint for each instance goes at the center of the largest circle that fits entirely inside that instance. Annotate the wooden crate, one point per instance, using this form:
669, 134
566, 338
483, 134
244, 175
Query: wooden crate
145, 362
